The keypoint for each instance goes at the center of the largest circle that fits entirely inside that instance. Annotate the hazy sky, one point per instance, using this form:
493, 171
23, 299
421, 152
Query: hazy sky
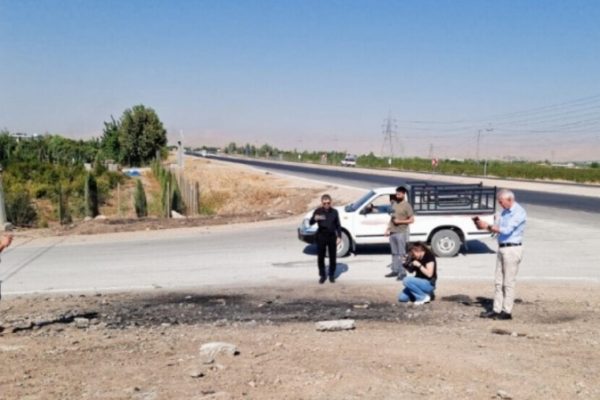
313, 74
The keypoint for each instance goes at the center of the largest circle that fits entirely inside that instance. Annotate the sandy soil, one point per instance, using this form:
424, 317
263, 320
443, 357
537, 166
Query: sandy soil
146, 345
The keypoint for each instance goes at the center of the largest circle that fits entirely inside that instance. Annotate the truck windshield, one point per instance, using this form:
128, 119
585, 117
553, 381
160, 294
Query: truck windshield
358, 203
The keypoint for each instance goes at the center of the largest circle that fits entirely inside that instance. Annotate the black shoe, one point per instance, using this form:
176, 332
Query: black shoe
400, 277
332, 279
489, 314
391, 274
432, 295
503, 316
322, 280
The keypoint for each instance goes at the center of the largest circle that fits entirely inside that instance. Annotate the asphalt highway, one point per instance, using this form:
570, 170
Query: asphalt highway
526, 197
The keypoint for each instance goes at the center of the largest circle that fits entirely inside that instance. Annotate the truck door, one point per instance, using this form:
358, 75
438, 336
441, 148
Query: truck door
372, 220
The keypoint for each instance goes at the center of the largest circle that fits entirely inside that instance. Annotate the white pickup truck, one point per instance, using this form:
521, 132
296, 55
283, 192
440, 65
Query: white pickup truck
443, 217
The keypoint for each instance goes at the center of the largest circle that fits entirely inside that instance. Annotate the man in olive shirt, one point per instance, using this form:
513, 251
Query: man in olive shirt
398, 232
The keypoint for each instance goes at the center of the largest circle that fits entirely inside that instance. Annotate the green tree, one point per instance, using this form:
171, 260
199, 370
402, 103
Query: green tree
141, 135
141, 205
110, 144
231, 148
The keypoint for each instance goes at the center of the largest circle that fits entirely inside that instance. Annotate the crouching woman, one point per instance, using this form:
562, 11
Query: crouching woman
420, 287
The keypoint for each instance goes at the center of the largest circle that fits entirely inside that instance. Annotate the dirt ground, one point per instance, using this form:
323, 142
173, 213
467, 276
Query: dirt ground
146, 345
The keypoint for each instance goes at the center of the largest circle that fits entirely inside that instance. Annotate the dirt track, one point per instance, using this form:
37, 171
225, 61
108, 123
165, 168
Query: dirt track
145, 346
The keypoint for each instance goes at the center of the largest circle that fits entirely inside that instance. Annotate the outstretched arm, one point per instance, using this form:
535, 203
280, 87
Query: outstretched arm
5, 242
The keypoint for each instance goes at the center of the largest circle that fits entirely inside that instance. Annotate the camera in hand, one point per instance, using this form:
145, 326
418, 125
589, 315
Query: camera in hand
408, 264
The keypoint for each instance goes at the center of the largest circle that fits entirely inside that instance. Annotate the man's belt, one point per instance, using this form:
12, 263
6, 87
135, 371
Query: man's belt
509, 244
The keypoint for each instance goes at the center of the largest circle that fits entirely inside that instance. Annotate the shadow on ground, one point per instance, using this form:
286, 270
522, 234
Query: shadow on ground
473, 247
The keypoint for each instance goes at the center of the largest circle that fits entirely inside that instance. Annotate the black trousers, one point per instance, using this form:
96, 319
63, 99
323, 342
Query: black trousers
326, 241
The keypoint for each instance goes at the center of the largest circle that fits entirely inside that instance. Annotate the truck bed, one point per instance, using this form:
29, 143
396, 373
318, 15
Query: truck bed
452, 199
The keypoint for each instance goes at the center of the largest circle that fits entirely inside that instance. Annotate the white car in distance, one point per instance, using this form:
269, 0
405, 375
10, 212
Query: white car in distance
349, 161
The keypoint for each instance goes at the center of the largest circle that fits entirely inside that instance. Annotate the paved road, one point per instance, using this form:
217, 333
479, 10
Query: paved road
558, 248
368, 180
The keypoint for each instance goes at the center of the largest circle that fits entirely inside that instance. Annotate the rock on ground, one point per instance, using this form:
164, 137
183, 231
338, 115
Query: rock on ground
337, 325
209, 351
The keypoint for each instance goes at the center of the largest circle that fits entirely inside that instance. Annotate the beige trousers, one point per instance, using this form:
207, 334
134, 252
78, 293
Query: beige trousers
507, 266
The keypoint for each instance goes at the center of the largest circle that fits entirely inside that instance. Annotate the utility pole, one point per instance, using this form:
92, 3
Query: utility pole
180, 151
479, 141
4, 224
477, 150
389, 134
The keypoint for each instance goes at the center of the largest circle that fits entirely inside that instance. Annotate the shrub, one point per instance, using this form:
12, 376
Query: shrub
141, 205
20, 210
91, 196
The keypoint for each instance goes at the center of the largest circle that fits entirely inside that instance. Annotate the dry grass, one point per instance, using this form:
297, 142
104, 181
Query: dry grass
121, 201
228, 189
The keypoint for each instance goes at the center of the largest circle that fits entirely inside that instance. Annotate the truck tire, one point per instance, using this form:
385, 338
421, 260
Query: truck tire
445, 243
344, 247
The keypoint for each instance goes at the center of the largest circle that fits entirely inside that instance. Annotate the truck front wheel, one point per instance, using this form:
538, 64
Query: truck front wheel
445, 243
344, 247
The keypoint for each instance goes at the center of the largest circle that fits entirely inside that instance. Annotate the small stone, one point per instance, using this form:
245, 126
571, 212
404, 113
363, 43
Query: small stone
209, 351
196, 374
82, 323
502, 394
335, 325
176, 215
252, 384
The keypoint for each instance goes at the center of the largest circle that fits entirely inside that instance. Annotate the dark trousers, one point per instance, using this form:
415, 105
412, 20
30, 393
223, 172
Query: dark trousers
326, 241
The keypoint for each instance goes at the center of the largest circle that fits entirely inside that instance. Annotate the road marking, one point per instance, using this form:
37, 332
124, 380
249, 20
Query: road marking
31, 259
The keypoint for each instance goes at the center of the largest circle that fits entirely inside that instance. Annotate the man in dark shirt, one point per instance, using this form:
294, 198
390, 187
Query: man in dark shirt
328, 236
